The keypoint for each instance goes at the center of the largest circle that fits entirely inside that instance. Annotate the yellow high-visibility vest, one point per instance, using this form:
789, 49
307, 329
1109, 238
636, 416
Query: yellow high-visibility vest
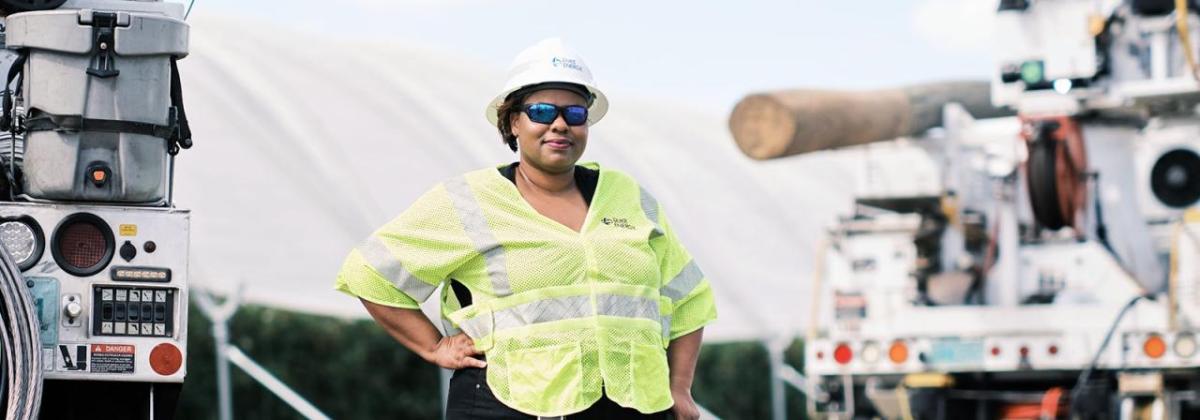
562, 316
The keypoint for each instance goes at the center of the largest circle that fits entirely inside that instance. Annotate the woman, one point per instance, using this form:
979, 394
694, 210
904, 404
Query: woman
568, 294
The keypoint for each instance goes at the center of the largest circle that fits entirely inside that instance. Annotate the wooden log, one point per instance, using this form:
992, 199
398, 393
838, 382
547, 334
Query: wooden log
783, 123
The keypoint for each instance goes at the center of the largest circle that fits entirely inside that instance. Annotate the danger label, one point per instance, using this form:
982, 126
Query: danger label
112, 358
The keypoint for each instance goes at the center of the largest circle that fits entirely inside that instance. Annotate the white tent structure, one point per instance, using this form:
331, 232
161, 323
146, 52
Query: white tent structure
305, 144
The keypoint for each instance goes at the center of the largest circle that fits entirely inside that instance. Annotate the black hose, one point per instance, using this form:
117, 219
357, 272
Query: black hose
1087, 373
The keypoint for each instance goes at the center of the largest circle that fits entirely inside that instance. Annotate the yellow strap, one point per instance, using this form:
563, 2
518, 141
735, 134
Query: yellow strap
1191, 216
928, 380
1181, 26
902, 399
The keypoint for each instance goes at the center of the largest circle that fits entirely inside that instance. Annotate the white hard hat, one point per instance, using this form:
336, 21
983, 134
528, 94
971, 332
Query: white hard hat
549, 61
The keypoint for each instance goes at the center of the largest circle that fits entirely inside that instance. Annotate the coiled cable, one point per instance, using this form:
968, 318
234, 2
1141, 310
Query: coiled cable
21, 345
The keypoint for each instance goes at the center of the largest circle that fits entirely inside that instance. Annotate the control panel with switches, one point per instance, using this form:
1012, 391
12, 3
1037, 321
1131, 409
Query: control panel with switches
130, 311
110, 286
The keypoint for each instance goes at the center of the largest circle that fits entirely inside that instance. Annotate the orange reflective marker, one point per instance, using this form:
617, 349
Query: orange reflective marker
898, 352
1154, 346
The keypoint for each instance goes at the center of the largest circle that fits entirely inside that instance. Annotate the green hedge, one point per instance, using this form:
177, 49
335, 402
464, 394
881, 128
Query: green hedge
351, 369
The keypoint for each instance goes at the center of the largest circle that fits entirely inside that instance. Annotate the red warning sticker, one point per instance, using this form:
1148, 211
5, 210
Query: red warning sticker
112, 358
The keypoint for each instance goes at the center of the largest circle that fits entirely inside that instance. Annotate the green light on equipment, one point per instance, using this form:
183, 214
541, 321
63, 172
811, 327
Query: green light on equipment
1032, 72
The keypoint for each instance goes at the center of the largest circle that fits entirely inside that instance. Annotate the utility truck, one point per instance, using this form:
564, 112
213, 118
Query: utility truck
1024, 247
94, 270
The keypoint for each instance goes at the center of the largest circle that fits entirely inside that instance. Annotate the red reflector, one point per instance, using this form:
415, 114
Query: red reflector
166, 359
995, 351
1024, 351
842, 353
1053, 349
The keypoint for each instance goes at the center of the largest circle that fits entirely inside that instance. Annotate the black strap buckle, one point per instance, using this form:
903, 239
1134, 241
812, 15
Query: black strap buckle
104, 26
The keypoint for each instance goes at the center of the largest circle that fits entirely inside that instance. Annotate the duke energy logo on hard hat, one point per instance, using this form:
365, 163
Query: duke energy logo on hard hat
568, 63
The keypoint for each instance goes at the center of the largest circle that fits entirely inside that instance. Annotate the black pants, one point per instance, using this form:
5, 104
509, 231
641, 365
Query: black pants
470, 398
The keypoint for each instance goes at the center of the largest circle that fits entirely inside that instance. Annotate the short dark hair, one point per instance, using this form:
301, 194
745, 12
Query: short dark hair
511, 105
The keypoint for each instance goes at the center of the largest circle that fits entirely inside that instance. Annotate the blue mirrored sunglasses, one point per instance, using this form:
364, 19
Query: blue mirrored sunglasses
544, 113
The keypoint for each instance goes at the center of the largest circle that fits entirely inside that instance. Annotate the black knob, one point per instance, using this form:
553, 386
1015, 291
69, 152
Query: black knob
128, 251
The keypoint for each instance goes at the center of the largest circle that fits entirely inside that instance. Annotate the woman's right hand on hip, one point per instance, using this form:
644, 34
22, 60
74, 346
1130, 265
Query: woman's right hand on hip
454, 352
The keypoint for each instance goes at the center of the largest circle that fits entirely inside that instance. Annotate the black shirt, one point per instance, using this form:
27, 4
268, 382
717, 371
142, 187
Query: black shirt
585, 179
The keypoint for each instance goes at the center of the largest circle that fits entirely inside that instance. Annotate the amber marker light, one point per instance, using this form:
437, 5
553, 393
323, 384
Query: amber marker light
1154, 346
898, 353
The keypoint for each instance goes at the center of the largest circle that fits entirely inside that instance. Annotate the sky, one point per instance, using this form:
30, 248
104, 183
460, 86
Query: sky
702, 54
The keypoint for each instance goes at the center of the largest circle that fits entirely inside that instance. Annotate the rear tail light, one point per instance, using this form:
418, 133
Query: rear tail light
1154, 346
1185, 345
82, 244
898, 353
842, 353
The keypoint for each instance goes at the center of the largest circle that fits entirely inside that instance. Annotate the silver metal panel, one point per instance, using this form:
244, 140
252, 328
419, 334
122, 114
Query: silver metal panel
169, 230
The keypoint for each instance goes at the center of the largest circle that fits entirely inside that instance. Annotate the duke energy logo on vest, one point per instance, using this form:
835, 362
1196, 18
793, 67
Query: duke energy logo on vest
621, 223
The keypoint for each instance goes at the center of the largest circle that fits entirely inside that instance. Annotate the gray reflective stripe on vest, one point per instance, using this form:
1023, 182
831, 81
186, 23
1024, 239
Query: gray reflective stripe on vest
558, 309
449, 303
682, 285
626, 306
448, 328
540, 311
381, 259
666, 327
650, 207
481, 235
679, 287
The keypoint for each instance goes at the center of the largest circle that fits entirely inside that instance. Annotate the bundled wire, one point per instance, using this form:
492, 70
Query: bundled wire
20, 339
